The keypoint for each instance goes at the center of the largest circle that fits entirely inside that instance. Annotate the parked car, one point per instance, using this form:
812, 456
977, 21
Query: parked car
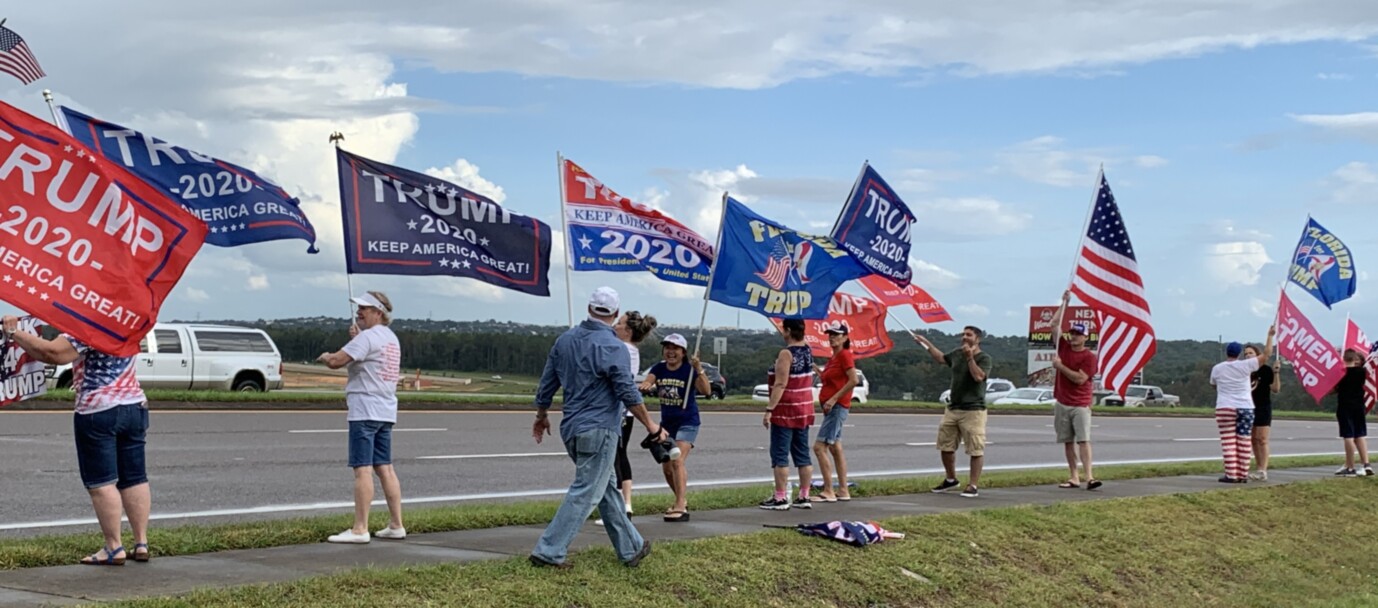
995, 389
201, 357
860, 394
1141, 395
717, 383
1026, 396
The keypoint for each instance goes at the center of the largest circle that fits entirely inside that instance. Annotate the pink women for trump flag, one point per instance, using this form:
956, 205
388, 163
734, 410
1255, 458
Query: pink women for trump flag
1316, 362
1356, 339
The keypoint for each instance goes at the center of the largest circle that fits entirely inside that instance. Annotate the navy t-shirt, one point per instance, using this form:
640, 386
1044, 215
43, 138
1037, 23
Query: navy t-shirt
678, 400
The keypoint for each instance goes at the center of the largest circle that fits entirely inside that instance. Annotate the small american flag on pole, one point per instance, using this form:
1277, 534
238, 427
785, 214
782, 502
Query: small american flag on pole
16, 59
777, 269
1107, 279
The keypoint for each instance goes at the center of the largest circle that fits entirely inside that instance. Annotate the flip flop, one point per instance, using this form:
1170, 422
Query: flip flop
141, 556
1070, 485
1093, 484
843, 498
822, 499
683, 516
109, 560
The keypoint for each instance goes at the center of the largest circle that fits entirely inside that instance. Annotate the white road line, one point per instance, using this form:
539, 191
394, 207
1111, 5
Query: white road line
347, 430
466, 456
930, 444
1199, 439
320, 506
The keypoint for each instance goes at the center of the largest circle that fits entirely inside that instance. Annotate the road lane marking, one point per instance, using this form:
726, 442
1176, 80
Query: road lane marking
347, 430
1199, 439
466, 456
320, 506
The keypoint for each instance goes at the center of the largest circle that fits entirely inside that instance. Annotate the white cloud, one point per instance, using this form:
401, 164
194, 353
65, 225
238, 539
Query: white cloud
1221, 314
974, 216
666, 289
465, 174
1235, 263
1333, 76
975, 310
1363, 125
931, 276
1355, 182
1044, 160
256, 282
1262, 309
1149, 161
197, 295
1187, 307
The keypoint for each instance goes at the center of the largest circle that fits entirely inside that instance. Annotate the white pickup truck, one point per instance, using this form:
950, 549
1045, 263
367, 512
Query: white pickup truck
201, 357
1139, 395
860, 394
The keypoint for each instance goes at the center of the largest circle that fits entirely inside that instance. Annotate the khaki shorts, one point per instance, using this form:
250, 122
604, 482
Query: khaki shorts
969, 426
1073, 424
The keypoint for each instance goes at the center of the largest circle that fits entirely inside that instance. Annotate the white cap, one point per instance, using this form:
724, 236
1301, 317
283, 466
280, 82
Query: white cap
605, 302
677, 340
369, 301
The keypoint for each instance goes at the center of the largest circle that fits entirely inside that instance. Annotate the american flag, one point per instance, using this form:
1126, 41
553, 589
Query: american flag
777, 269
101, 380
16, 59
1107, 279
1371, 379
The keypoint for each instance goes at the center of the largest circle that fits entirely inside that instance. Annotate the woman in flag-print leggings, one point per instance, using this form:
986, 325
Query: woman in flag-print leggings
1234, 407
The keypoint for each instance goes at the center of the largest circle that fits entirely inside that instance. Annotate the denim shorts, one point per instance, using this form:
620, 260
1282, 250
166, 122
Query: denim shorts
110, 446
687, 433
830, 432
786, 442
370, 443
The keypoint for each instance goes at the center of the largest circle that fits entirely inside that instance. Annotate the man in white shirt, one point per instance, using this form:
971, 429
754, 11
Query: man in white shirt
1234, 407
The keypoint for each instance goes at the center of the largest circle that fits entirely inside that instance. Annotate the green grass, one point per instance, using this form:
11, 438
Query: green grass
1303, 544
186, 540
164, 396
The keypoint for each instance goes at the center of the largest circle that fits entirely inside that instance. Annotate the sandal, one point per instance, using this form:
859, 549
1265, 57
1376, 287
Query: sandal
141, 552
843, 498
1070, 485
94, 559
1093, 484
683, 516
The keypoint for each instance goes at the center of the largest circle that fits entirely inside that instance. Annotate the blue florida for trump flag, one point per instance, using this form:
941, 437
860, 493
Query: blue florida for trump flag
236, 204
1322, 265
776, 271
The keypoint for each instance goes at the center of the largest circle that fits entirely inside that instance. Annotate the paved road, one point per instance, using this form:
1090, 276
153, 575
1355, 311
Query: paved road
220, 466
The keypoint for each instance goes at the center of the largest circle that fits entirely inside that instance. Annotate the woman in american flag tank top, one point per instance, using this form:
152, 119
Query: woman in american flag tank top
789, 417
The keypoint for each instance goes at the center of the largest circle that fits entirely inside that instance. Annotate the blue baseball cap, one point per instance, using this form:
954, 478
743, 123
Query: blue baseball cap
1233, 349
1077, 328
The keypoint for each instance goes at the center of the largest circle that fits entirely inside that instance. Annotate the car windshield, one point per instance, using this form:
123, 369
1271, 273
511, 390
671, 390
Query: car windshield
1138, 391
1025, 393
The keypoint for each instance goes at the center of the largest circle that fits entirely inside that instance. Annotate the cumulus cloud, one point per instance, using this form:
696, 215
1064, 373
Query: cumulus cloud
932, 276
971, 217
256, 282
197, 295
975, 310
1235, 263
1333, 76
1046, 160
1261, 308
465, 174
1149, 161
1362, 125
1355, 182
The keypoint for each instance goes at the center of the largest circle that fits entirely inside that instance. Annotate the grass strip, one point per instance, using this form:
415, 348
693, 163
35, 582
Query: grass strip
66, 549
1302, 544
167, 396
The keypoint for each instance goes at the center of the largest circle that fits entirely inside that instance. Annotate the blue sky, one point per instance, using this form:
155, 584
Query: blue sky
1220, 128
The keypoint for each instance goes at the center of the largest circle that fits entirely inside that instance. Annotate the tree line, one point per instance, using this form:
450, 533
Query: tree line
1180, 367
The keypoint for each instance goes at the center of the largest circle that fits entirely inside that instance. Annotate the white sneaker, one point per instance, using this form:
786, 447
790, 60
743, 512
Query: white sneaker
349, 537
391, 533
1259, 475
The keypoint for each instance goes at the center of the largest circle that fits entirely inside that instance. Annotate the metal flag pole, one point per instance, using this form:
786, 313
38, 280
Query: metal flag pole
569, 247
335, 138
1085, 226
888, 315
48, 98
856, 184
717, 257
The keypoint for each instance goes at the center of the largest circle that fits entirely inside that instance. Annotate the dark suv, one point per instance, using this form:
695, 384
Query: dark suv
716, 381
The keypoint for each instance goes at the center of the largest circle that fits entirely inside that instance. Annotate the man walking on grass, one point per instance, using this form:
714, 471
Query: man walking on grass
965, 418
591, 364
1072, 390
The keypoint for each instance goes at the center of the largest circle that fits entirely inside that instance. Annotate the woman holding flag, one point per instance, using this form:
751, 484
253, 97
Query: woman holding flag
678, 383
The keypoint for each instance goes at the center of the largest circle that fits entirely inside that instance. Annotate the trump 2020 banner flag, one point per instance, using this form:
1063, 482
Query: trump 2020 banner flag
1317, 363
774, 270
874, 227
398, 221
239, 206
865, 319
85, 245
1322, 265
609, 232
21, 376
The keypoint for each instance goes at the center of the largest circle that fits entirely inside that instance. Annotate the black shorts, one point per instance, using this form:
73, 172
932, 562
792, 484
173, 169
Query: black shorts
1263, 415
1352, 422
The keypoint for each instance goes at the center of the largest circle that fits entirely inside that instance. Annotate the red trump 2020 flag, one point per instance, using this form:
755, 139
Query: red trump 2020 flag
1107, 279
865, 319
84, 244
890, 294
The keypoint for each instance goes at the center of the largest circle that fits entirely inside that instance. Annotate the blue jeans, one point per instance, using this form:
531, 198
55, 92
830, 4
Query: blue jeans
786, 442
593, 453
110, 446
370, 443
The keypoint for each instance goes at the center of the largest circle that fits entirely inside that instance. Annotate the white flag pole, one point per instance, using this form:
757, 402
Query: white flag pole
569, 247
887, 309
48, 98
717, 257
1081, 238
856, 184
336, 138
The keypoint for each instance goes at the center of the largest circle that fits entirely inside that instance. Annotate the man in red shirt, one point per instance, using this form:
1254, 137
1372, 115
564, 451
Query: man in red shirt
1076, 366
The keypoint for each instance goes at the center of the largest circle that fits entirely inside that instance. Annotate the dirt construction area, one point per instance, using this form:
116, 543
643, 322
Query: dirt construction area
305, 377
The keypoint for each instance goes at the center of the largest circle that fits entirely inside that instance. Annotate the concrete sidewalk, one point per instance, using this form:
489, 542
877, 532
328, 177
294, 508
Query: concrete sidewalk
65, 585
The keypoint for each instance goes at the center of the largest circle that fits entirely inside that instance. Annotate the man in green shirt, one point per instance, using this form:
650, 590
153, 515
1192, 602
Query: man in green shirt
965, 418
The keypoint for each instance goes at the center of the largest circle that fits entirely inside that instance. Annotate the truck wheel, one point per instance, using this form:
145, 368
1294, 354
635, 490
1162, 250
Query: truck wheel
65, 380
248, 385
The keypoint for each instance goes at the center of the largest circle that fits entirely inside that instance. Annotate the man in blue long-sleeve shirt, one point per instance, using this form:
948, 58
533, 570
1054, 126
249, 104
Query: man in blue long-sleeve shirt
594, 368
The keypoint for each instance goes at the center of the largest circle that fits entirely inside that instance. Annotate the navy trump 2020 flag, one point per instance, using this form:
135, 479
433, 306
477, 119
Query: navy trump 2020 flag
237, 205
874, 227
398, 221
1322, 265
777, 271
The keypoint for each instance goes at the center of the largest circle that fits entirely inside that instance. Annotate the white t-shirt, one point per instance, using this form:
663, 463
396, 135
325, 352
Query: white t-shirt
636, 363
1231, 380
371, 392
